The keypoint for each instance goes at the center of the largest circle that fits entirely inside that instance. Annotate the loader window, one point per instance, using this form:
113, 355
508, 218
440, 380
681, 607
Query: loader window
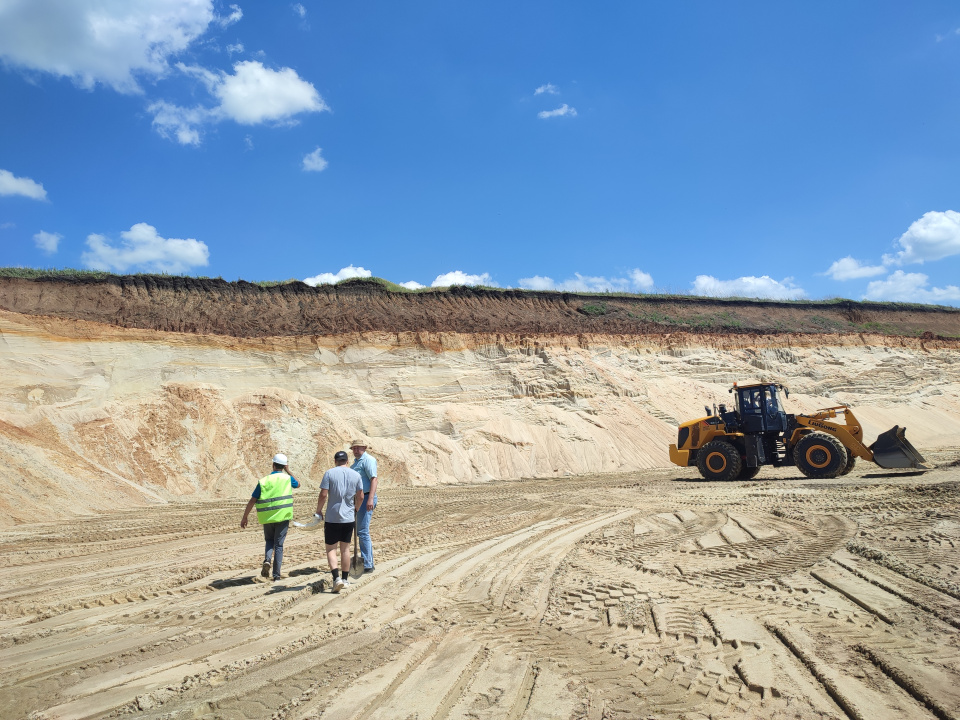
770, 404
751, 401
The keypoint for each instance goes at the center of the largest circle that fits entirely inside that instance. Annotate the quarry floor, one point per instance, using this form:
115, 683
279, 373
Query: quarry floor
651, 595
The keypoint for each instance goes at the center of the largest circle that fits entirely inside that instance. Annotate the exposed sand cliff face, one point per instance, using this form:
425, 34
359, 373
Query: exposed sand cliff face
94, 417
241, 309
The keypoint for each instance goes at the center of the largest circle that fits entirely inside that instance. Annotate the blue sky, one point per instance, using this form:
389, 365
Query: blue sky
751, 148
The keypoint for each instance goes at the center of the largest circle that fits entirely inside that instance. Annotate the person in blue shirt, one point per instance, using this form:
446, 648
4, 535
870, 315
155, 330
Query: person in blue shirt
274, 512
366, 465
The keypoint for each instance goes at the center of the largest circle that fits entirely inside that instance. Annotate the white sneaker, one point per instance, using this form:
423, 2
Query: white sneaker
338, 585
346, 582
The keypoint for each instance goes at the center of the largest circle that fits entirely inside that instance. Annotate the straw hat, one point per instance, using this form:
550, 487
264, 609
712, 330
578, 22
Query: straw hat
358, 443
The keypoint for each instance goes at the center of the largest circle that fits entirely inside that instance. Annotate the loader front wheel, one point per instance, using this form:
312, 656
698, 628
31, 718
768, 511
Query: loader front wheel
748, 473
819, 455
719, 460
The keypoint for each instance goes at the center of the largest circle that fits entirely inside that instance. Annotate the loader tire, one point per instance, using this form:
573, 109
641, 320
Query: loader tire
819, 455
851, 461
748, 473
719, 460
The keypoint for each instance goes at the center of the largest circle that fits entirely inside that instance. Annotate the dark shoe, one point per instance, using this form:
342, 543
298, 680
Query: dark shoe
368, 570
265, 570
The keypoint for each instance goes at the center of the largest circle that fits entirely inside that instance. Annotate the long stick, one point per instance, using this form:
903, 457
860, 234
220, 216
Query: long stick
355, 560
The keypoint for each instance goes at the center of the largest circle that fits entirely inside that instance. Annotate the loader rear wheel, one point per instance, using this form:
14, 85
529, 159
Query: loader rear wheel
819, 455
851, 461
719, 460
748, 473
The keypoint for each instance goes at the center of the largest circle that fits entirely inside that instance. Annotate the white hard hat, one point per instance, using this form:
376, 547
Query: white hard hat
280, 459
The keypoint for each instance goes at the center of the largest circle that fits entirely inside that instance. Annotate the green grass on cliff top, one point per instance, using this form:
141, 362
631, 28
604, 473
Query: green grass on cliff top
74, 274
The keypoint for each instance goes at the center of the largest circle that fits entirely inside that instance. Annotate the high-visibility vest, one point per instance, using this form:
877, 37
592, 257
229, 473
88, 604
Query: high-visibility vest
276, 499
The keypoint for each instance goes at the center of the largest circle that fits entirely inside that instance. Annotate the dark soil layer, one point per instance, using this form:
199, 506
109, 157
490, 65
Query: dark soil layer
241, 309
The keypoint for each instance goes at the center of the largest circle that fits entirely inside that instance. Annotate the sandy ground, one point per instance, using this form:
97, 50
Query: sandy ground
651, 595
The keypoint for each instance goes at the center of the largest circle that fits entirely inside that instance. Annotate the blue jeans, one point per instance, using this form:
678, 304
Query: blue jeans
363, 530
274, 534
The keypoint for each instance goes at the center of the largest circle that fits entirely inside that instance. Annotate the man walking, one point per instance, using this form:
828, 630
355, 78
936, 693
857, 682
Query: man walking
273, 497
366, 465
344, 490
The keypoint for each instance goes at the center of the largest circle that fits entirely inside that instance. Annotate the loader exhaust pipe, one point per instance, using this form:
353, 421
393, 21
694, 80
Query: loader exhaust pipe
893, 450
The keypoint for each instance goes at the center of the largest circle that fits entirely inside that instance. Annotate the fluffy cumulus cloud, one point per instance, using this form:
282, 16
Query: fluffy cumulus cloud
549, 88
330, 278
252, 95
910, 287
634, 281
48, 242
101, 41
13, 185
255, 94
458, 277
933, 237
850, 269
411, 285
142, 248
755, 287
562, 111
314, 162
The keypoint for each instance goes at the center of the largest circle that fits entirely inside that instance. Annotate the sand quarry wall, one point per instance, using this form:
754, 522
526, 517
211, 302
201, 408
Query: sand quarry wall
95, 417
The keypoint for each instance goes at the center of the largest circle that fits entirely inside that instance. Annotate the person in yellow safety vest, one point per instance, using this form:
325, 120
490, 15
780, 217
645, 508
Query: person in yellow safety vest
273, 498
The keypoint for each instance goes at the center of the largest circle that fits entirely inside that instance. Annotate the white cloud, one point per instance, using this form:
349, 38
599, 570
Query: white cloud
538, 282
12, 185
330, 278
910, 287
254, 94
559, 112
636, 281
549, 88
458, 277
179, 122
314, 162
100, 41
411, 285
933, 237
300, 10
641, 280
47, 242
235, 15
850, 269
758, 287
236, 48
142, 247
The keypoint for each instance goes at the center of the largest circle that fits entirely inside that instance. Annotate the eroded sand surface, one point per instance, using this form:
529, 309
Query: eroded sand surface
650, 595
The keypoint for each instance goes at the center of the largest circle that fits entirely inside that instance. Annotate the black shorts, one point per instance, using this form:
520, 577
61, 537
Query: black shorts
334, 533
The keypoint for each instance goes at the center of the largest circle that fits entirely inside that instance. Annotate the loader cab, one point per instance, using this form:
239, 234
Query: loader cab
760, 408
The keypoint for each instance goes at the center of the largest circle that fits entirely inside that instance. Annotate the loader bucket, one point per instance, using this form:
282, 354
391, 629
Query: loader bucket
893, 450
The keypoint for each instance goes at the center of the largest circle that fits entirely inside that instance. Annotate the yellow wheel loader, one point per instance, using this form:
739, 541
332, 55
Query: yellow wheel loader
734, 444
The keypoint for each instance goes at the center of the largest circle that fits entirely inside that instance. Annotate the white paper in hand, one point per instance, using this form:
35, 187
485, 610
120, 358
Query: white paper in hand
315, 523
